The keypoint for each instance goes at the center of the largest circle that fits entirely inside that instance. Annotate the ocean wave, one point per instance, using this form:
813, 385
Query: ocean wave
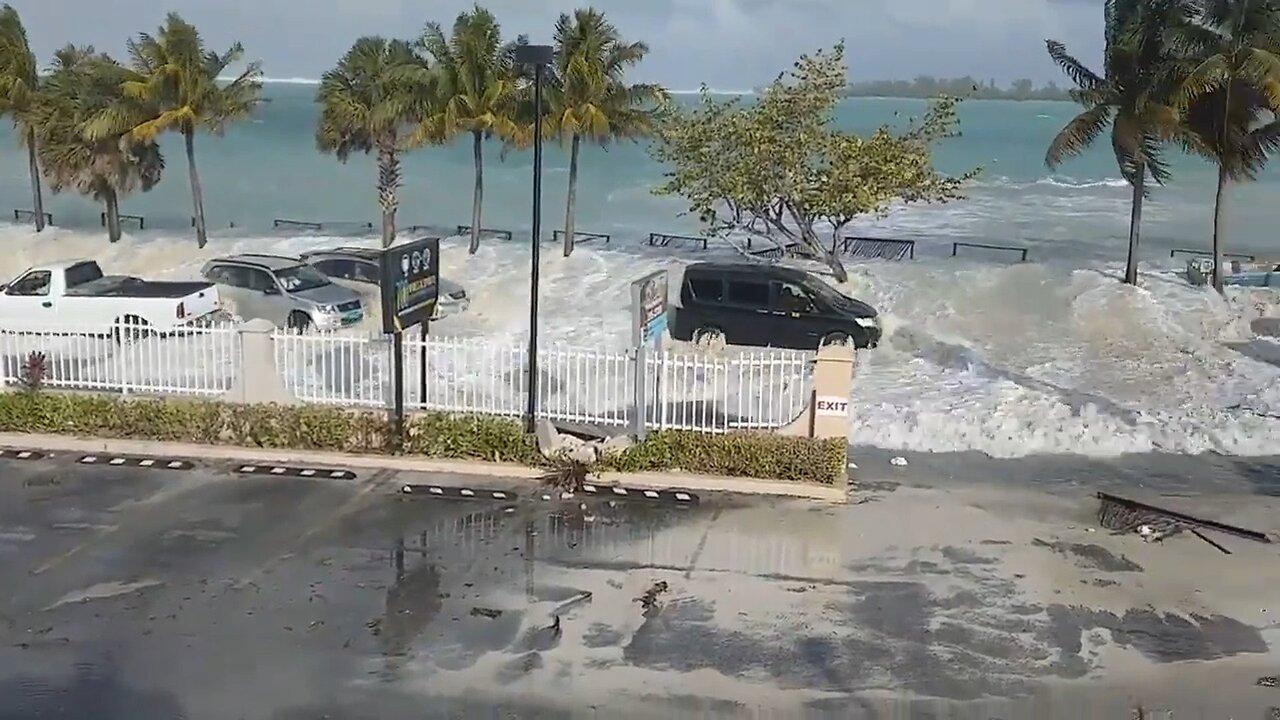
280, 81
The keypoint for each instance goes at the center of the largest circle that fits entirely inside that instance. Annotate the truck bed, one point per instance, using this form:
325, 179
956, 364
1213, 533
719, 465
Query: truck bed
120, 286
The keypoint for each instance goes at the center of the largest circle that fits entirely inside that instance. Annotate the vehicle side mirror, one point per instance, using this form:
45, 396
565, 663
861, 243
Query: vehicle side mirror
273, 290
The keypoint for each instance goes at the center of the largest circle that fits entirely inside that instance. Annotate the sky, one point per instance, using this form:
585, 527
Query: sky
726, 44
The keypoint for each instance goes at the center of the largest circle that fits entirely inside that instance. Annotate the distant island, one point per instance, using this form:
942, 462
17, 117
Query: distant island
927, 86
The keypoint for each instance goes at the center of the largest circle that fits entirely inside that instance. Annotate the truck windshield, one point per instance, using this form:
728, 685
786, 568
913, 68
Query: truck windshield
81, 273
300, 277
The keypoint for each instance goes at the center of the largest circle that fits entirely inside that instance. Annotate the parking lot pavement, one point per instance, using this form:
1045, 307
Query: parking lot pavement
211, 592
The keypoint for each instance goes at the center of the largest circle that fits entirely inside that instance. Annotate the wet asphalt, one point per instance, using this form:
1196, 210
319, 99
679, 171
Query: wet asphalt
148, 593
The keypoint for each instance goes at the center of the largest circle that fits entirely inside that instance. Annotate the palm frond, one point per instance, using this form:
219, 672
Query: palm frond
1083, 77
1078, 134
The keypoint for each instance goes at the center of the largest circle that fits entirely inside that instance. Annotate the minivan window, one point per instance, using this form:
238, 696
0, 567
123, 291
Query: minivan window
33, 283
793, 298
707, 289
749, 293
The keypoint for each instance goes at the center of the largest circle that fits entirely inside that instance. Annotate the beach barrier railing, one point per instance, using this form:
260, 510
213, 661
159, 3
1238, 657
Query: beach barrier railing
777, 252
874, 248
666, 239
581, 237
955, 248
303, 224
1209, 253
20, 215
138, 219
490, 232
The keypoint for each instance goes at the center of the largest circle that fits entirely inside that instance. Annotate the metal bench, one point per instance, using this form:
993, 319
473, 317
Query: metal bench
1209, 253
279, 223
19, 215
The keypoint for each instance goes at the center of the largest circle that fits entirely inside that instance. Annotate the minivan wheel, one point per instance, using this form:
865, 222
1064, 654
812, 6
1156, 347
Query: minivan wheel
836, 338
298, 320
709, 338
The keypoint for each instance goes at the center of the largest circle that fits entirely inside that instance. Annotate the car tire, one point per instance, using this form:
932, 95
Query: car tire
298, 321
836, 338
709, 338
130, 328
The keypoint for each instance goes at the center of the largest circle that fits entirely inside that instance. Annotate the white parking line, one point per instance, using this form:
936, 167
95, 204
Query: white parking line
147, 463
308, 473
436, 491
89, 459
248, 468
24, 454
278, 470
499, 495
338, 474
175, 464
116, 461
466, 493
651, 494
589, 488
619, 491
683, 497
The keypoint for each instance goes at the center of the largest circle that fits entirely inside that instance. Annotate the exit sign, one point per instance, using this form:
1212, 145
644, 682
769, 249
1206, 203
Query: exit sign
833, 406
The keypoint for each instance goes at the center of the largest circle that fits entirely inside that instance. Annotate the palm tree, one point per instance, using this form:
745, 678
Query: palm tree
180, 79
1231, 93
371, 101
1131, 96
589, 97
477, 91
19, 94
80, 88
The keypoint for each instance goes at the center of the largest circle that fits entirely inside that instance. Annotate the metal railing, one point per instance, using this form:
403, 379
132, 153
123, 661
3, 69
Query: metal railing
581, 237
128, 357
486, 232
139, 220
955, 248
576, 385
1209, 253
19, 215
666, 239
874, 248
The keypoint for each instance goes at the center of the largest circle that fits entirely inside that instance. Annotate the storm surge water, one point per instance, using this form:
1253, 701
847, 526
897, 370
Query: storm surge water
1051, 356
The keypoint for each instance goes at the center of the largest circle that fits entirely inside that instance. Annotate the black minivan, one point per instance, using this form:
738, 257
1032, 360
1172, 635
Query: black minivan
769, 306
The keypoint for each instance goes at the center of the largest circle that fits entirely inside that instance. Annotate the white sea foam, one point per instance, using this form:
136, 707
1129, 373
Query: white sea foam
1007, 360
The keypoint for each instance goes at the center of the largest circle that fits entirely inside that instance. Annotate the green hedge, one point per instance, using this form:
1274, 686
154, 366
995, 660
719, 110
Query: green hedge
437, 435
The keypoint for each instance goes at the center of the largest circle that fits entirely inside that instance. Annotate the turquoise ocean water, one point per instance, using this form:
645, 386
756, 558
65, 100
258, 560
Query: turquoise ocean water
268, 168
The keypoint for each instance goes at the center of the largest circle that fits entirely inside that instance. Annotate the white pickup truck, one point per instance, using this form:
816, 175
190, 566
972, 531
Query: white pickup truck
76, 296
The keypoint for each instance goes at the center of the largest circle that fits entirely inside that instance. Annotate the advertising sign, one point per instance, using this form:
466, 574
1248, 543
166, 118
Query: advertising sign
649, 309
410, 283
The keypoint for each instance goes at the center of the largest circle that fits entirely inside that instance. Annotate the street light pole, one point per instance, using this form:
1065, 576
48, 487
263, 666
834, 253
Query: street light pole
539, 56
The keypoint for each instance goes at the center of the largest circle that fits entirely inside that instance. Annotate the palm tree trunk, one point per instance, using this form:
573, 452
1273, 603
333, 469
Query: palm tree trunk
478, 200
113, 215
1135, 223
197, 195
572, 202
37, 199
388, 183
1219, 219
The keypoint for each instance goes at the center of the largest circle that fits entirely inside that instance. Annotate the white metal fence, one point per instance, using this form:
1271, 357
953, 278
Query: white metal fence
126, 358
589, 386
684, 390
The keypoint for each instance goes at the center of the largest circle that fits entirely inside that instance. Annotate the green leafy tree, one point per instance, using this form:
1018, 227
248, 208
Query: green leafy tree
179, 78
782, 163
476, 91
589, 98
19, 95
371, 102
1230, 95
1132, 96
81, 86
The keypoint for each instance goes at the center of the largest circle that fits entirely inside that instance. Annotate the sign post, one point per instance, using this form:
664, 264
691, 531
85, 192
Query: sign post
410, 288
649, 323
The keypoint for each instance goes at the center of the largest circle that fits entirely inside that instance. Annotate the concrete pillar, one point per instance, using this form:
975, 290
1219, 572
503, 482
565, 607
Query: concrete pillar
828, 413
258, 379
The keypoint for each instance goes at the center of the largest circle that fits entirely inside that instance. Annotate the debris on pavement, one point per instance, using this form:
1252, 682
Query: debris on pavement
649, 599
584, 596
898, 461
1269, 681
1154, 524
486, 612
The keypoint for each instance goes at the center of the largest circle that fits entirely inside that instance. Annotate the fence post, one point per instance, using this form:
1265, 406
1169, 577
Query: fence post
639, 419
828, 413
259, 380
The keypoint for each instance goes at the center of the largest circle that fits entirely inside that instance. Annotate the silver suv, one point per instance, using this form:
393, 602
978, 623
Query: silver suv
284, 290
357, 268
